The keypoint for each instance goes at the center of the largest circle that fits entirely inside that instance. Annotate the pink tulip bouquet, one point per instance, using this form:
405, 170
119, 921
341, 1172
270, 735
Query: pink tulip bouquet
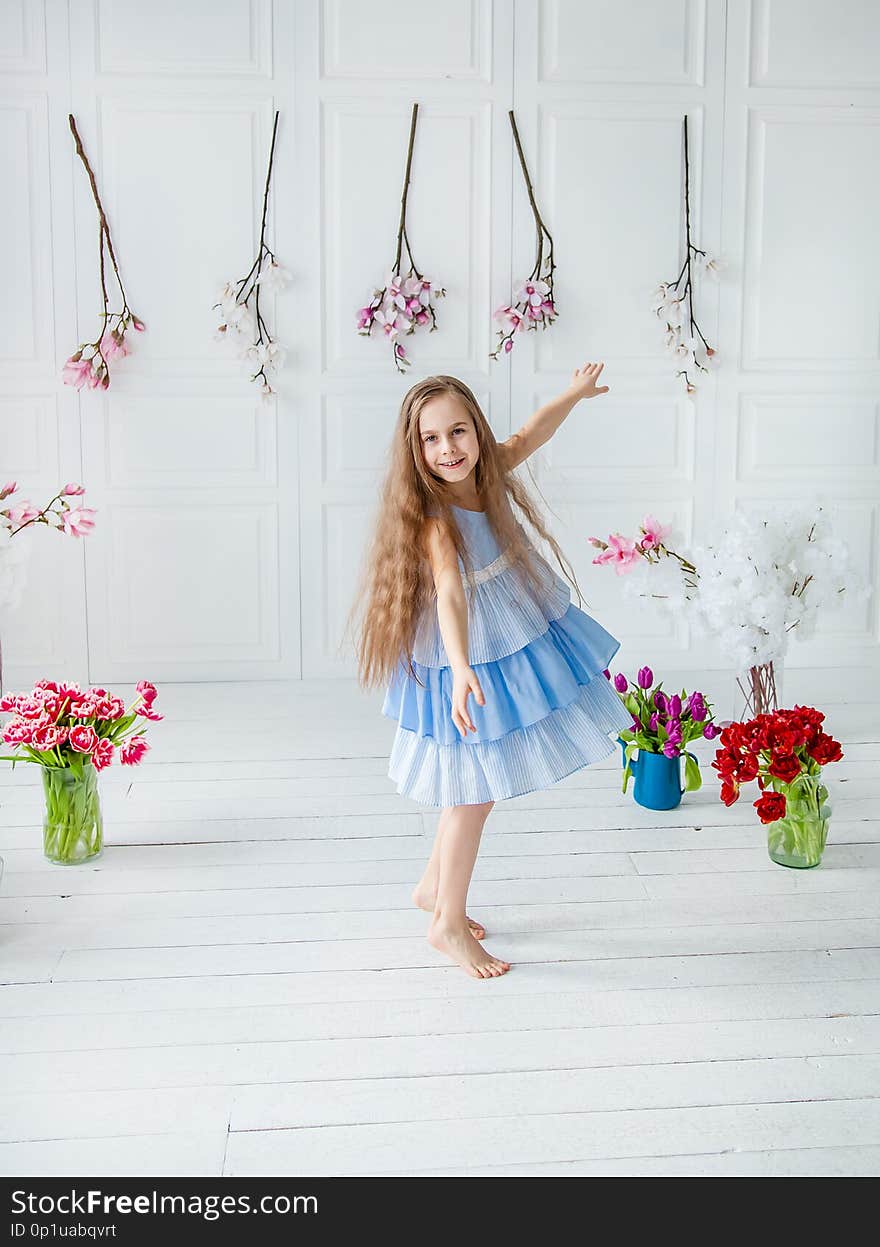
72, 735
663, 723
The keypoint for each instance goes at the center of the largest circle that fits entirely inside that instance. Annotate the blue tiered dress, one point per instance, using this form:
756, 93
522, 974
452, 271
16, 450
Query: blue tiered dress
540, 661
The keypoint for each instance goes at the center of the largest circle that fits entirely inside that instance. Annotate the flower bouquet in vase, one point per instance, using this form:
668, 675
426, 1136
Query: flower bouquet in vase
785, 752
753, 586
73, 735
662, 727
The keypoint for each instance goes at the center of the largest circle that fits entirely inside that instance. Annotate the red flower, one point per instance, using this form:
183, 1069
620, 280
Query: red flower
726, 762
825, 749
733, 736
770, 806
785, 768
729, 791
814, 717
748, 767
782, 739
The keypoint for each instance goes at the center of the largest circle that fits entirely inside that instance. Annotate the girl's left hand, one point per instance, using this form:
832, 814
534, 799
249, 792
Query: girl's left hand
583, 381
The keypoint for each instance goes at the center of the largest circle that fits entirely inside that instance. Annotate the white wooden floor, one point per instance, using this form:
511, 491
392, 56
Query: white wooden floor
239, 985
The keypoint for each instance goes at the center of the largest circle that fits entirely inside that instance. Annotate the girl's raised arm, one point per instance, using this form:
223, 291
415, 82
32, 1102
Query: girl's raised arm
544, 423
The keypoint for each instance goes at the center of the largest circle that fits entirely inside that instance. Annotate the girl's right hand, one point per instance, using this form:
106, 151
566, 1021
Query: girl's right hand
464, 681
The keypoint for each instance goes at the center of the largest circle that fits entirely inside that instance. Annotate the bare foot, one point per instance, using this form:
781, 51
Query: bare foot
426, 902
460, 945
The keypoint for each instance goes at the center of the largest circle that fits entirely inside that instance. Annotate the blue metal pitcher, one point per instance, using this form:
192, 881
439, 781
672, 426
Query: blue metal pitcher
658, 783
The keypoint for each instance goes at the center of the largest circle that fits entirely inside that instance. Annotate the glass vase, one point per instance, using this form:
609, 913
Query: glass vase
798, 839
73, 831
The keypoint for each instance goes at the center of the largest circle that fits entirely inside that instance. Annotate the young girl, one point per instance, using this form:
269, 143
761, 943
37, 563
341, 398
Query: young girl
458, 603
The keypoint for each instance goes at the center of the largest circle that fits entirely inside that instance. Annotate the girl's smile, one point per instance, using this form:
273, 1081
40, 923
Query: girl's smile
449, 441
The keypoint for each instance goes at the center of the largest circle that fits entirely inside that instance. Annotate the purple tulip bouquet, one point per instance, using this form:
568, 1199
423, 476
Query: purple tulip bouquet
662, 723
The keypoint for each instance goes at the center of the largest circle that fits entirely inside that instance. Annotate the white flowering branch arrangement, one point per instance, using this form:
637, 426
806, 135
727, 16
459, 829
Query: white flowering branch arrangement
404, 302
89, 365
674, 300
758, 581
242, 321
533, 303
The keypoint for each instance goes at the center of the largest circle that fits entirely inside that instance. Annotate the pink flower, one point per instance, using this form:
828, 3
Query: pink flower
8, 703
76, 372
138, 324
621, 552
532, 292
49, 685
83, 708
78, 521
147, 691
508, 346
70, 690
132, 752
48, 736
365, 317
654, 532
83, 738
30, 707
103, 755
510, 317
113, 344
22, 513
109, 708
146, 712
9, 488
17, 733
73, 490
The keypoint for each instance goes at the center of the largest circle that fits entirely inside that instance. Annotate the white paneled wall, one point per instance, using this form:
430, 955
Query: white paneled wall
230, 533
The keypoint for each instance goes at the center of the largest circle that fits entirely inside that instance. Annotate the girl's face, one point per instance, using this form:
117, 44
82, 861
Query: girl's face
448, 439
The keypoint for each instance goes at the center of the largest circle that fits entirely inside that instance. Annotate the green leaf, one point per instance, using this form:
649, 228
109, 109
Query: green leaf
693, 780
626, 774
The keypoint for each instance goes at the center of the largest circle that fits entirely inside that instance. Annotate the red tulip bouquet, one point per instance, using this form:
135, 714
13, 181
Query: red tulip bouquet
72, 735
663, 723
785, 752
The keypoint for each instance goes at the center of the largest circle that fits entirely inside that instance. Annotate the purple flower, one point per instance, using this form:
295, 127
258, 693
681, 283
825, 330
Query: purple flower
697, 707
675, 732
645, 677
710, 731
620, 682
670, 749
654, 721
661, 701
674, 706
607, 674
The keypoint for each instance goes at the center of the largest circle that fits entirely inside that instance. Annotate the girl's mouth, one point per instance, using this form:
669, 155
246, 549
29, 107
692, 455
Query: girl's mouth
456, 464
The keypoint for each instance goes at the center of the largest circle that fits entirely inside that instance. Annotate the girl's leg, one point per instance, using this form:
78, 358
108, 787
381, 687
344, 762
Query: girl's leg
425, 892
449, 930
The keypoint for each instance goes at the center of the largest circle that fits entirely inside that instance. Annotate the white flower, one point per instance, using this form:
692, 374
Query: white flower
273, 278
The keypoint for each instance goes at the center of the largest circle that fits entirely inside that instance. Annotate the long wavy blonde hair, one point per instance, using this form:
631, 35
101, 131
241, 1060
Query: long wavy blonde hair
396, 584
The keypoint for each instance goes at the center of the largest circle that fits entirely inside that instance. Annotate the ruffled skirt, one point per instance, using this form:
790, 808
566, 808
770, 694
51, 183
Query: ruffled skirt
549, 709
